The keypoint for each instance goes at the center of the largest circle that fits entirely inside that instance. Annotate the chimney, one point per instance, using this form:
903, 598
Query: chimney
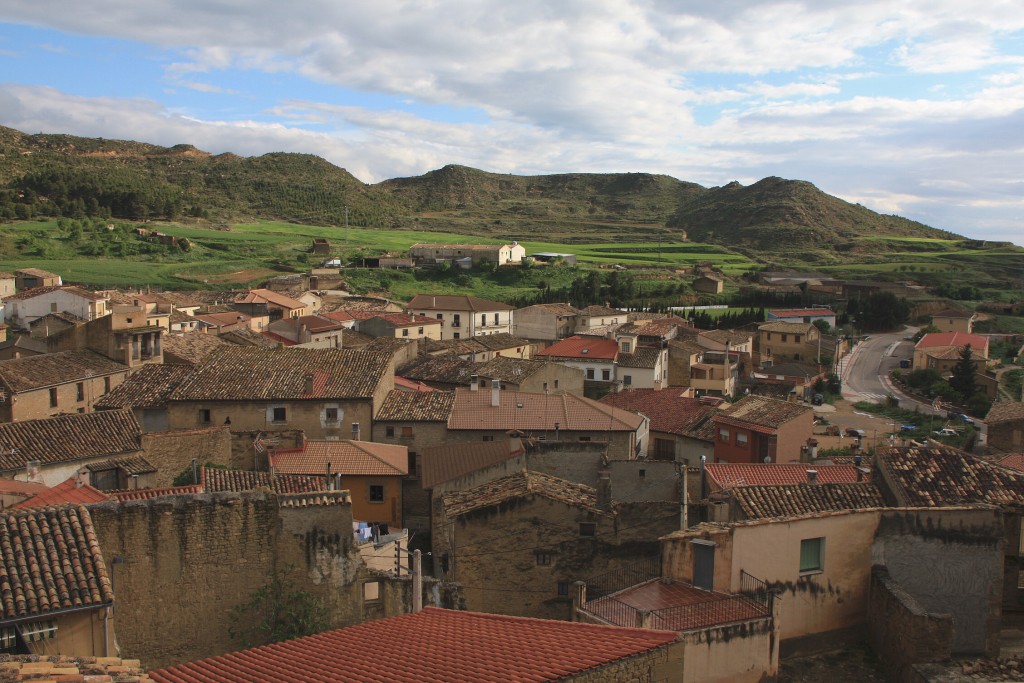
307, 384
813, 448
329, 482
495, 393
355, 431
474, 382
812, 476
32, 472
558, 426
604, 490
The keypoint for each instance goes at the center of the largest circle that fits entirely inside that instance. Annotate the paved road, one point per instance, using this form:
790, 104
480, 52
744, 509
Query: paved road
865, 372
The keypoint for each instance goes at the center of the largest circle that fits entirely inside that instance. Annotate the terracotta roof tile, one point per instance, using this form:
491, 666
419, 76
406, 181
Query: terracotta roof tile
978, 342
596, 310
557, 309
668, 411
416, 406
537, 412
938, 476
583, 348
761, 411
66, 438
66, 492
345, 458
251, 373
194, 347
50, 369
215, 479
667, 601
521, 485
243, 336
1005, 411
150, 387
269, 296
50, 561
452, 460
314, 499
500, 341
146, 494
436, 646
459, 347
513, 370
758, 502
1015, 461
440, 369
130, 466
642, 358
69, 289
455, 302
728, 475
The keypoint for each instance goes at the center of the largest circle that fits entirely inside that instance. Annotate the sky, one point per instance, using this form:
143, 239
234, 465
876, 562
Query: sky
913, 108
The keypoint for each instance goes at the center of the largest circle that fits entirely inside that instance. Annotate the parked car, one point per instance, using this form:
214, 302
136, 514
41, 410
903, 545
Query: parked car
856, 433
945, 431
904, 362
907, 428
966, 419
817, 399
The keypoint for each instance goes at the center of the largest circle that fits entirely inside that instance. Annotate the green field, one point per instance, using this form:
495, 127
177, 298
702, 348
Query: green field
227, 256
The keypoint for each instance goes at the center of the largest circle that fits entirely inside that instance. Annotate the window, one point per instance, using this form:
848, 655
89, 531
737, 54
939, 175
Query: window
563, 589
421, 331
376, 493
389, 432
584, 438
483, 318
456, 320
588, 529
80, 387
545, 386
606, 375
812, 555
407, 431
204, 416
627, 380
456, 336
590, 373
371, 591
643, 474
405, 332
741, 439
556, 384
440, 316
488, 437
412, 463
796, 338
331, 414
543, 559
106, 385
723, 434
53, 397
53, 307
785, 337
496, 319
280, 414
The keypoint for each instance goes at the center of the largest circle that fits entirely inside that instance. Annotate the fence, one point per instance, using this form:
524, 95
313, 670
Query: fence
624, 577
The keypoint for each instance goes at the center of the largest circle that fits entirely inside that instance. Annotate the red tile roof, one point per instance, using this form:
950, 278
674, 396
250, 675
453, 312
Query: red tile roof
71, 668
1015, 461
1005, 411
931, 477
146, 494
345, 458
66, 492
269, 296
215, 479
51, 369
978, 342
149, 387
69, 437
432, 646
584, 348
727, 475
760, 502
454, 302
70, 289
537, 412
416, 406
49, 561
760, 411
452, 460
668, 602
668, 411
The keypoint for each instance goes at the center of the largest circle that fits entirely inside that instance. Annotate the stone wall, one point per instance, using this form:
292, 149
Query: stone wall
639, 480
902, 632
951, 561
172, 452
244, 455
186, 561
663, 665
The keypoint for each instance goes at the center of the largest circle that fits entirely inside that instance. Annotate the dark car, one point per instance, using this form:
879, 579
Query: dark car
817, 399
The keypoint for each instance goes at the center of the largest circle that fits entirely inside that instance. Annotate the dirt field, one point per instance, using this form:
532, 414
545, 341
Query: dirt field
845, 416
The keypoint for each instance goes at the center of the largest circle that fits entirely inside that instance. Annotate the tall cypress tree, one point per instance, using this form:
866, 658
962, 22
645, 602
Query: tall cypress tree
963, 379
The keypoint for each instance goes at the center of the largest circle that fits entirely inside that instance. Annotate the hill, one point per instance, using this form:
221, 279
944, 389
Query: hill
62, 175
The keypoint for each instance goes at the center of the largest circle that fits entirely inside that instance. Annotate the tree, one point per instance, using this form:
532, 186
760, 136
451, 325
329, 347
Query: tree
281, 612
822, 326
882, 311
963, 379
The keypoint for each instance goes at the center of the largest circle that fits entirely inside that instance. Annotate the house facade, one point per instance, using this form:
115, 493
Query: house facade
50, 384
546, 322
760, 429
499, 254
786, 341
463, 316
23, 308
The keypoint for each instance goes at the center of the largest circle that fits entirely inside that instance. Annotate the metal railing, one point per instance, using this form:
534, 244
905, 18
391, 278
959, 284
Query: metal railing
711, 612
755, 589
624, 577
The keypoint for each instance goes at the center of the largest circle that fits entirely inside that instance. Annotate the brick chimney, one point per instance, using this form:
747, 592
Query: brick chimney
812, 476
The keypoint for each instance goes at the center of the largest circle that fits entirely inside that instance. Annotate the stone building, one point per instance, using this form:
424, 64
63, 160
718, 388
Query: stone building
463, 316
50, 384
546, 322
533, 376
1005, 422
323, 392
681, 427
